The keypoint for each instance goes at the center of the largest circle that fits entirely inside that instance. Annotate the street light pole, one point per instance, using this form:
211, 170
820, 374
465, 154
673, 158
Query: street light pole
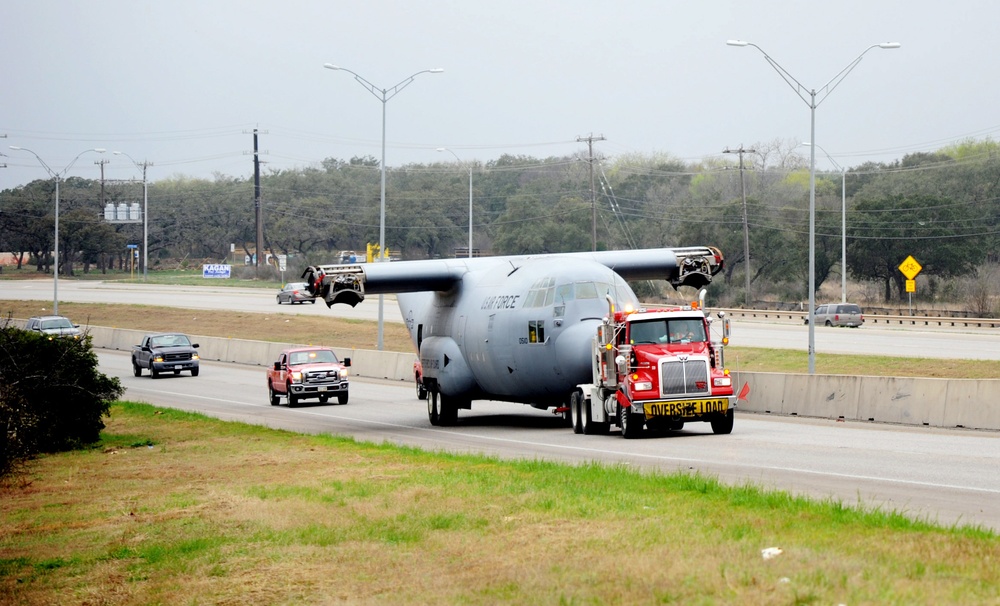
813, 103
843, 223
56, 176
383, 95
440, 149
145, 209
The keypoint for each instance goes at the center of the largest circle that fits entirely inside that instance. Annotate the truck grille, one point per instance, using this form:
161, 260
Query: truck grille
177, 357
684, 377
321, 377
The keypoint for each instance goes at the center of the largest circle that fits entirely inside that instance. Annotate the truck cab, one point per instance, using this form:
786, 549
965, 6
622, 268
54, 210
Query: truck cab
656, 369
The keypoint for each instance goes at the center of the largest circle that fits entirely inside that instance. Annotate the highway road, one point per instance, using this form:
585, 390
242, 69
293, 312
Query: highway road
943, 475
946, 476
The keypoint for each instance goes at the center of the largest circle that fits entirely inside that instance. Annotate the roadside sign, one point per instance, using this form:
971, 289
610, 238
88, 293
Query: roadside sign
216, 270
910, 267
911, 286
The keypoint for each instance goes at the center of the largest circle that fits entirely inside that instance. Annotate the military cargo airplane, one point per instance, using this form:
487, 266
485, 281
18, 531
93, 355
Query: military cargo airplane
509, 328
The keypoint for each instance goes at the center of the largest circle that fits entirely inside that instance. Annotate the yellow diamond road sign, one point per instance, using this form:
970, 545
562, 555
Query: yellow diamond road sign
910, 267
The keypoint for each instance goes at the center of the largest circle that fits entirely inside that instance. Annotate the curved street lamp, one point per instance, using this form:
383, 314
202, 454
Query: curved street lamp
145, 208
56, 175
383, 95
441, 149
810, 98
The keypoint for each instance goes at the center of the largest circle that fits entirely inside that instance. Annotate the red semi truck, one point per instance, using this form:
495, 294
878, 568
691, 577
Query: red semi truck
657, 369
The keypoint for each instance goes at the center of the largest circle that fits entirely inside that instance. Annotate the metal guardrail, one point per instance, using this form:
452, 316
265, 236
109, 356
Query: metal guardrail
870, 319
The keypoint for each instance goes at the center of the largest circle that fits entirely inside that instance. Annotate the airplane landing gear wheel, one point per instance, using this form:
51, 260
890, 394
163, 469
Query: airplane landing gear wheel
433, 412
449, 411
575, 411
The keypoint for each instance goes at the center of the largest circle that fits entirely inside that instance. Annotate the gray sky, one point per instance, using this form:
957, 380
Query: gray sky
182, 83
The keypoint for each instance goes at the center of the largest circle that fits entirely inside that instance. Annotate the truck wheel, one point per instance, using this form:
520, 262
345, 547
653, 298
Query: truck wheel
152, 371
630, 422
342, 398
293, 400
421, 390
194, 372
723, 424
136, 369
575, 410
273, 397
433, 412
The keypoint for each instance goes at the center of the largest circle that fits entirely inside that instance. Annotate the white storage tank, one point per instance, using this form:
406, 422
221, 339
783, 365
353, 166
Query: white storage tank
134, 213
122, 211
109, 211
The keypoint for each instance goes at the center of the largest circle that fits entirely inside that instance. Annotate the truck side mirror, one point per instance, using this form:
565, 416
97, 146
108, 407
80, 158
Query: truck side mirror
277, 365
347, 361
196, 346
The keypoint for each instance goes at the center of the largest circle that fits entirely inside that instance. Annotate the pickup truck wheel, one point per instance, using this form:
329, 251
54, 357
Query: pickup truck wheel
723, 424
152, 371
342, 398
323, 399
575, 411
136, 369
433, 412
194, 372
630, 423
293, 400
273, 397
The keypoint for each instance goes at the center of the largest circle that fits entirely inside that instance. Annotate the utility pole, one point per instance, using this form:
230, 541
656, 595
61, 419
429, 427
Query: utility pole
593, 192
746, 225
259, 244
101, 163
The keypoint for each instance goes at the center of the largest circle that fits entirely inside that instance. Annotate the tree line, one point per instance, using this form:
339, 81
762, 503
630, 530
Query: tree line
939, 207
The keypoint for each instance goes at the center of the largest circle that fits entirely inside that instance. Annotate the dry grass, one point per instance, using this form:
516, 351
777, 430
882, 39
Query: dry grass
175, 508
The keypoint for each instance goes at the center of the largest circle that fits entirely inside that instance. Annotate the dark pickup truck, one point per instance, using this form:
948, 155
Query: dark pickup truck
165, 352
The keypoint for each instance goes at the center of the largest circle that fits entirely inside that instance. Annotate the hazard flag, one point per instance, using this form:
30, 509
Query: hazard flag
744, 392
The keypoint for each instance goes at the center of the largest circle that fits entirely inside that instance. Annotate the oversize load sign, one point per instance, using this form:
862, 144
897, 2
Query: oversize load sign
215, 270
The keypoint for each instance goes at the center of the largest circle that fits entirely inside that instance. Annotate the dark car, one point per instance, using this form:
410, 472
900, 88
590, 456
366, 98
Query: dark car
838, 314
54, 326
295, 292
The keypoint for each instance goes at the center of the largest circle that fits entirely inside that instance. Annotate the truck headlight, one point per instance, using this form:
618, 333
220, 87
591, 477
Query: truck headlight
296, 377
343, 373
158, 358
722, 382
642, 385
195, 357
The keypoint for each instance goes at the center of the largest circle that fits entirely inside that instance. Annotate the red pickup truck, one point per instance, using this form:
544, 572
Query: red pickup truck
308, 372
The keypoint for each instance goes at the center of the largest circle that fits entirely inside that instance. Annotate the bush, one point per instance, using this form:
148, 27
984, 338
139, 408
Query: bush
52, 397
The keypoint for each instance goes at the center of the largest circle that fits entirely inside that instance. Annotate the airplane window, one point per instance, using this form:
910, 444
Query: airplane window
536, 331
535, 298
549, 295
586, 290
564, 292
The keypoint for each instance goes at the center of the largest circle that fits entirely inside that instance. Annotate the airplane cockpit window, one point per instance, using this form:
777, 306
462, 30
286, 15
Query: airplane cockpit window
541, 293
564, 292
586, 290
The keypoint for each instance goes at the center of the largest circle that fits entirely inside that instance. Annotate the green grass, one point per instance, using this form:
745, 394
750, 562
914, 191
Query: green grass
175, 507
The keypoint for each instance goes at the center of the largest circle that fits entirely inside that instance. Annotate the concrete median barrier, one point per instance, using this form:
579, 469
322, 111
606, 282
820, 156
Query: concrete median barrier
903, 400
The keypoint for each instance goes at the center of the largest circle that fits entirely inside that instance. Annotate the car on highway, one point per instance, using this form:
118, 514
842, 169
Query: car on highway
838, 314
295, 292
54, 326
308, 372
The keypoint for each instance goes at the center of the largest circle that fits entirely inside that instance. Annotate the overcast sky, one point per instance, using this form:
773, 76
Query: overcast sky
182, 83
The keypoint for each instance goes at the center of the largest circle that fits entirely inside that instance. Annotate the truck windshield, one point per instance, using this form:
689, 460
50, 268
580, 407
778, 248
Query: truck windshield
667, 331
170, 341
310, 357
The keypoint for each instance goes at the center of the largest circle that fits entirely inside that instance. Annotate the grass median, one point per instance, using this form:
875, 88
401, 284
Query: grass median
174, 507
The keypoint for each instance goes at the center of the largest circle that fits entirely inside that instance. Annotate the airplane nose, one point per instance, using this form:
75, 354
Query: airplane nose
574, 347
